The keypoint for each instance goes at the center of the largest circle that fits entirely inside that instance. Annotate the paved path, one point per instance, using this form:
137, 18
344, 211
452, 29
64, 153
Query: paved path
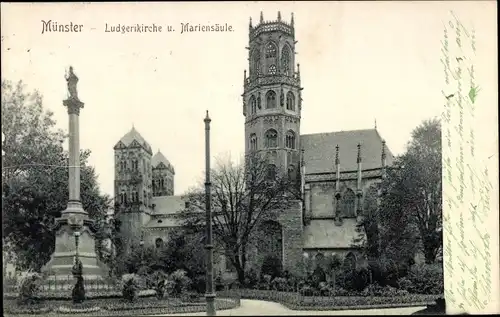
251, 307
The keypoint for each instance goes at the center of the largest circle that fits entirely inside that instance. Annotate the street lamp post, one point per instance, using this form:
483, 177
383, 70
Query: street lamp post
77, 236
209, 294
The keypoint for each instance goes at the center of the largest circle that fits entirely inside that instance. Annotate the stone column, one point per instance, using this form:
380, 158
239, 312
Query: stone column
74, 204
74, 219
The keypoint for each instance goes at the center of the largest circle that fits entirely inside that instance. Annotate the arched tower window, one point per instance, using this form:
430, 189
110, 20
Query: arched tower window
285, 60
253, 142
271, 138
256, 63
270, 99
290, 101
271, 54
272, 70
290, 140
348, 200
253, 105
271, 50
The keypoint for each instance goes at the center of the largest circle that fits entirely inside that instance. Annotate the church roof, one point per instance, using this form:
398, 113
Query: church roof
160, 158
319, 150
325, 234
167, 205
134, 135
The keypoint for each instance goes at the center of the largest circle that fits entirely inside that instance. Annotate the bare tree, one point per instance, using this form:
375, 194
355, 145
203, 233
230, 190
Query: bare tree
242, 196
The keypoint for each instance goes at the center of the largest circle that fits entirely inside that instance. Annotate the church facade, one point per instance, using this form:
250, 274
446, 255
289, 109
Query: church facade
335, 168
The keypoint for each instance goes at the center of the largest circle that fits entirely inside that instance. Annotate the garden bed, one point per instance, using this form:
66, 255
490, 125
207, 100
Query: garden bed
113, 307
295, 301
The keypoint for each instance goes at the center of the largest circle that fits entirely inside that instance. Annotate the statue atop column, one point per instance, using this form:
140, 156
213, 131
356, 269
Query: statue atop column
72, 80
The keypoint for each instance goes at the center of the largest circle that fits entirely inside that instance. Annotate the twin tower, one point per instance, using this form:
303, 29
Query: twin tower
272, 95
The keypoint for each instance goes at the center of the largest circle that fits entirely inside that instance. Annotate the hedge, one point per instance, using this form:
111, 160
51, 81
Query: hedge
295, 301
114, 307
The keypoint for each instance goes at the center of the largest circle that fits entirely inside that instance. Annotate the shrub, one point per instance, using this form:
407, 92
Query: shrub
280, 284
354, 280
383, 291
271, 266
426, 279
318, 276
130, 287
178, 282
251, 278
199, 284
29, 287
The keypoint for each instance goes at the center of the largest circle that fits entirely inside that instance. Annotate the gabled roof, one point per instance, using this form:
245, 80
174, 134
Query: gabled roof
159, 159
319, 150
131, 138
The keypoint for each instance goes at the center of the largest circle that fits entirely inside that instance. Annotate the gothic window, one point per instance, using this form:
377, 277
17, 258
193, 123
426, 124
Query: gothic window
256, 63
291, 172
285, 60
270, 99
271, 138
271, 171
272, 70
350, 261
253, 105
270, 50
162, 184
135, 196
290, 101
145, 196
123, 165
158, 243
122, 198
348, 200
125, 198
253, 142
135, 165
290, 140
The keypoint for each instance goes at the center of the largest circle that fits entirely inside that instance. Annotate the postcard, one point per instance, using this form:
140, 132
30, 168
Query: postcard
250, 158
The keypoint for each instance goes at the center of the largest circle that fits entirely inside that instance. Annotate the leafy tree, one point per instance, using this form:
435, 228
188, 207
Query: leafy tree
242, 196
35, 177
422, 172
409, 213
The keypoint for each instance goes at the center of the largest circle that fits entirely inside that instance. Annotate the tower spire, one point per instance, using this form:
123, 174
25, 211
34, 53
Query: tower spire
291, 21
261, 17
279, 16
375, 123
250, 23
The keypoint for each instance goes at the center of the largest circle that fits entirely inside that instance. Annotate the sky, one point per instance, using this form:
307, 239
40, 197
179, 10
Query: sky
359, 62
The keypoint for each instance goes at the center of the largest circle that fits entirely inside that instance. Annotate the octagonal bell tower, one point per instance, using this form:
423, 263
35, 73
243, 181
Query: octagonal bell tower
272, 95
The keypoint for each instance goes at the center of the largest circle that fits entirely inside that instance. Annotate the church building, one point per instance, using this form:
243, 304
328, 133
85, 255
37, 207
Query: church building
335, 168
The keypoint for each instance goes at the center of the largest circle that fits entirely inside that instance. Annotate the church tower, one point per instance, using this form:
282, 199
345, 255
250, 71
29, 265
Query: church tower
133, 179
163, 176
272, 95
